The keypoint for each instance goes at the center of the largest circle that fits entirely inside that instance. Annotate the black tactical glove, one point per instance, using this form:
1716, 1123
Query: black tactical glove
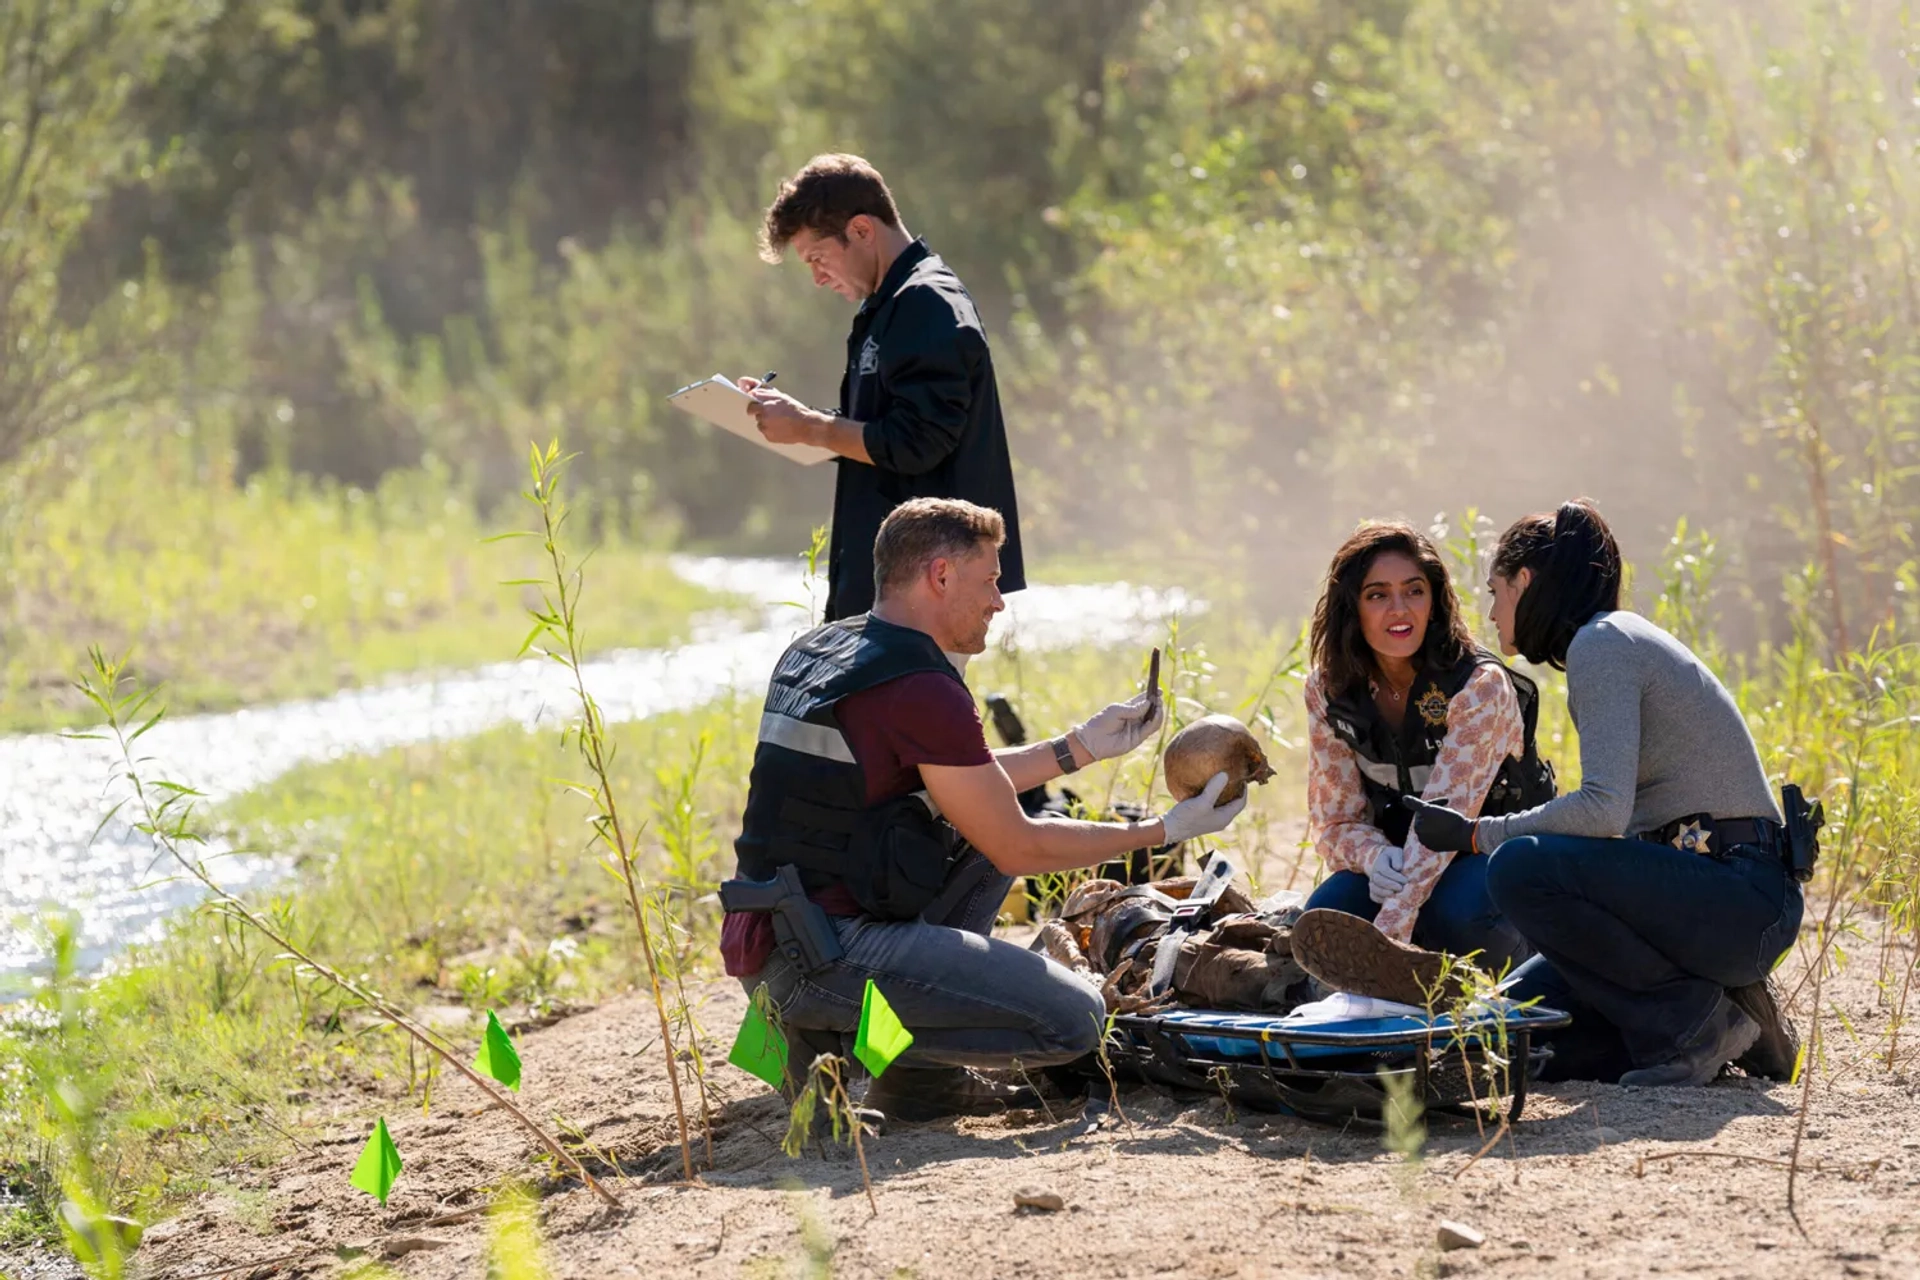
1440, 828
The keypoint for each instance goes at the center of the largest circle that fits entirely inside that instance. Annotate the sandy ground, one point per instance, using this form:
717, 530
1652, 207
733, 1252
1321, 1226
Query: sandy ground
1595, 1181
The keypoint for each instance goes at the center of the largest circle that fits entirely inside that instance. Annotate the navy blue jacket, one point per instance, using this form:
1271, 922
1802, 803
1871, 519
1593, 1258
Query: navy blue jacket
920, 377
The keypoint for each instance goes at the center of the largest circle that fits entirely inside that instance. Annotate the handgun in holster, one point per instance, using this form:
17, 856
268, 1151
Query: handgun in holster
1804, 820
802, 930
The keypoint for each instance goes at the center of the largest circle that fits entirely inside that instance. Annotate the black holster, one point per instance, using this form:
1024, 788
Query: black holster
1804, 820
802, 930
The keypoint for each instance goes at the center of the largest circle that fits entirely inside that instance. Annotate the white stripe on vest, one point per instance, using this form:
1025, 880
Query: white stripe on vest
820, 740
1389, 776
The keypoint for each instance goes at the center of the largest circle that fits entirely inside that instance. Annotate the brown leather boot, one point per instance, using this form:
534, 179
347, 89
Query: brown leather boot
1349, 954
1774, 1054
915, 1095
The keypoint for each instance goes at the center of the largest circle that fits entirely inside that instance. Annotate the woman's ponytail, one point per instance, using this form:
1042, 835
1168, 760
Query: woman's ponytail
1576, 570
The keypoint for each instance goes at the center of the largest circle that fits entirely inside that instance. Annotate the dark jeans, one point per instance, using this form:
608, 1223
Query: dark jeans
1458, 917
968, 999
1639, 941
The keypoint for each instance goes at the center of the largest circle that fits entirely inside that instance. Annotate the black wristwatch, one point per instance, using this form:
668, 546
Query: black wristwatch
1063, 754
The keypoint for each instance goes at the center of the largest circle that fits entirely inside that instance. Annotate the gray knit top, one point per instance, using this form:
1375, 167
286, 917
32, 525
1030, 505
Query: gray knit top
1660, 739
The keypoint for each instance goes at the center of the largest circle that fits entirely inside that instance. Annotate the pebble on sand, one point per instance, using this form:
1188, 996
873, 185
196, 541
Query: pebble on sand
1458, 1235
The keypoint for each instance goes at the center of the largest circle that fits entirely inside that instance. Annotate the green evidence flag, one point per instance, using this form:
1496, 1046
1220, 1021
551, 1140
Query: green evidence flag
881, 1038
379, 1165
758, 1050
498, 1058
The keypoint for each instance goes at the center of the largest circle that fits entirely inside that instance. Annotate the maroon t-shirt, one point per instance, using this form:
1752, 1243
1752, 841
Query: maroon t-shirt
893, 729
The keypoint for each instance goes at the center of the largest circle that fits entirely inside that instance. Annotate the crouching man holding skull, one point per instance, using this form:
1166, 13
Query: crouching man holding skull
896, 830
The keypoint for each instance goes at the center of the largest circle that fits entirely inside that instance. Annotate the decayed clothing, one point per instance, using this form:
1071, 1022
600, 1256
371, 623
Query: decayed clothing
1109, 934
1484, 729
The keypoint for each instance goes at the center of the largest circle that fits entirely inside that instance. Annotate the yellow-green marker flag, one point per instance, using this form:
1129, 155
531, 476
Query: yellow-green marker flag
758, 1050
498, 1058
379, 1165
881, 1038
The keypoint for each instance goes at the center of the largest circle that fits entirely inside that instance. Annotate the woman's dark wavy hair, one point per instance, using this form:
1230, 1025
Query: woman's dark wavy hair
1340, 651
1576, 574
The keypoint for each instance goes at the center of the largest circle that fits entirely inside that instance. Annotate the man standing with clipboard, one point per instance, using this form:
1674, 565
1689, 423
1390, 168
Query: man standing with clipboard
919, 413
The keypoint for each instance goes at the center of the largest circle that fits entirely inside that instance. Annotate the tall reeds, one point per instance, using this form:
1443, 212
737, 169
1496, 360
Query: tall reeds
557, 621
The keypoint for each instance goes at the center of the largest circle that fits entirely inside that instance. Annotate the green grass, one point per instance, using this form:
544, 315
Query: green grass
233, 593
451, 875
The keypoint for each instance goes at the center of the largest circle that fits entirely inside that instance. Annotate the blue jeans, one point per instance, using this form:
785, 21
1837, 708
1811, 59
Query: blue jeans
1459, 916
1639, 941
969, 999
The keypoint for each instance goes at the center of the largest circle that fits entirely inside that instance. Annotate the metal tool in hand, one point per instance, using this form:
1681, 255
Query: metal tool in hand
1188, 915
1153, 683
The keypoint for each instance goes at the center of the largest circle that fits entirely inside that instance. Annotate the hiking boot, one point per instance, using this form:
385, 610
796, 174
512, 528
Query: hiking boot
1727, 1034
1348, 954
914, 1095
1774, 1054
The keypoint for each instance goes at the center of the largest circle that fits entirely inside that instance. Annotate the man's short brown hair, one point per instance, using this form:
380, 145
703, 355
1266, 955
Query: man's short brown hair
920, 531
823, 197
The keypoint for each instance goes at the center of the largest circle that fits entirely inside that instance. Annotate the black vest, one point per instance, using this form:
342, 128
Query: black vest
807, 794
1393, 764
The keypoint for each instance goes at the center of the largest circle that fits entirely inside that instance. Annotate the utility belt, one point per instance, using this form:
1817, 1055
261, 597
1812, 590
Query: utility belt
1795, 844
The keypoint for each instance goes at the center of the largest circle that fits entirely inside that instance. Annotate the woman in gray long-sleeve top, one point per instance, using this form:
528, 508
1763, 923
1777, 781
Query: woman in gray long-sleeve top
1657, 896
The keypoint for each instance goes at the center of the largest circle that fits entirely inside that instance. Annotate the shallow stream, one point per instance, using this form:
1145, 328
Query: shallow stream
55, 789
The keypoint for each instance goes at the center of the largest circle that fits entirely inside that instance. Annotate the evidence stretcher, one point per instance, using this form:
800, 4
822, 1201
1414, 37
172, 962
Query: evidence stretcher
1335, 1071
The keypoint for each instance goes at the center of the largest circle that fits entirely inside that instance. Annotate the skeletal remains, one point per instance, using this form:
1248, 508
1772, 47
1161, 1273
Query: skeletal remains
1211, 745
1110, 933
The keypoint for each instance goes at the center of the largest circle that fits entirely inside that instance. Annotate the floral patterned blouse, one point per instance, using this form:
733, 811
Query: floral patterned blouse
1483, 729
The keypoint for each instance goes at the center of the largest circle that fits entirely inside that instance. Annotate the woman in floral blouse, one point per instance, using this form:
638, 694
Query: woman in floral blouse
1401, 701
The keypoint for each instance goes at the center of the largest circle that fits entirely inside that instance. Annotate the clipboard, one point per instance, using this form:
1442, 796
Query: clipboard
720, 400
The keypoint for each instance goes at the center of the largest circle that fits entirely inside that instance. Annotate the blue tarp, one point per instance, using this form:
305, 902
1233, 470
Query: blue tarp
1326, 1039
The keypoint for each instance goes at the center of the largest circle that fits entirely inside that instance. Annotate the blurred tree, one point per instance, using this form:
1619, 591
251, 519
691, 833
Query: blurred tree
1276, 264
1804, 287
68, 72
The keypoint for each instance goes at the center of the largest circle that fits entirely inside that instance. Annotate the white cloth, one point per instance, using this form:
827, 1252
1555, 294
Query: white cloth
1344, 1006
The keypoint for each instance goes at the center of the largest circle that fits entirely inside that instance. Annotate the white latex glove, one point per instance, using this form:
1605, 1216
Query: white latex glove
1198, 815
1387, 876
1121, 727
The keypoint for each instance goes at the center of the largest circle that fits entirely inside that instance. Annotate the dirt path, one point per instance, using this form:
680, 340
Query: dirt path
1186, 1190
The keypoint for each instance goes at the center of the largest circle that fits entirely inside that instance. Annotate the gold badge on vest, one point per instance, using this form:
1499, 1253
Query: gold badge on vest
1432, 706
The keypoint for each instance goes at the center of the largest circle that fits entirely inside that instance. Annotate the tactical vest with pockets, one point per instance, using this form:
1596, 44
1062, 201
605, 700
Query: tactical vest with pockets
807, 794
1396, 763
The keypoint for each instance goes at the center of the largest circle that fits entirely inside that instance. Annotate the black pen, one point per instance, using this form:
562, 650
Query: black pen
768, 380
